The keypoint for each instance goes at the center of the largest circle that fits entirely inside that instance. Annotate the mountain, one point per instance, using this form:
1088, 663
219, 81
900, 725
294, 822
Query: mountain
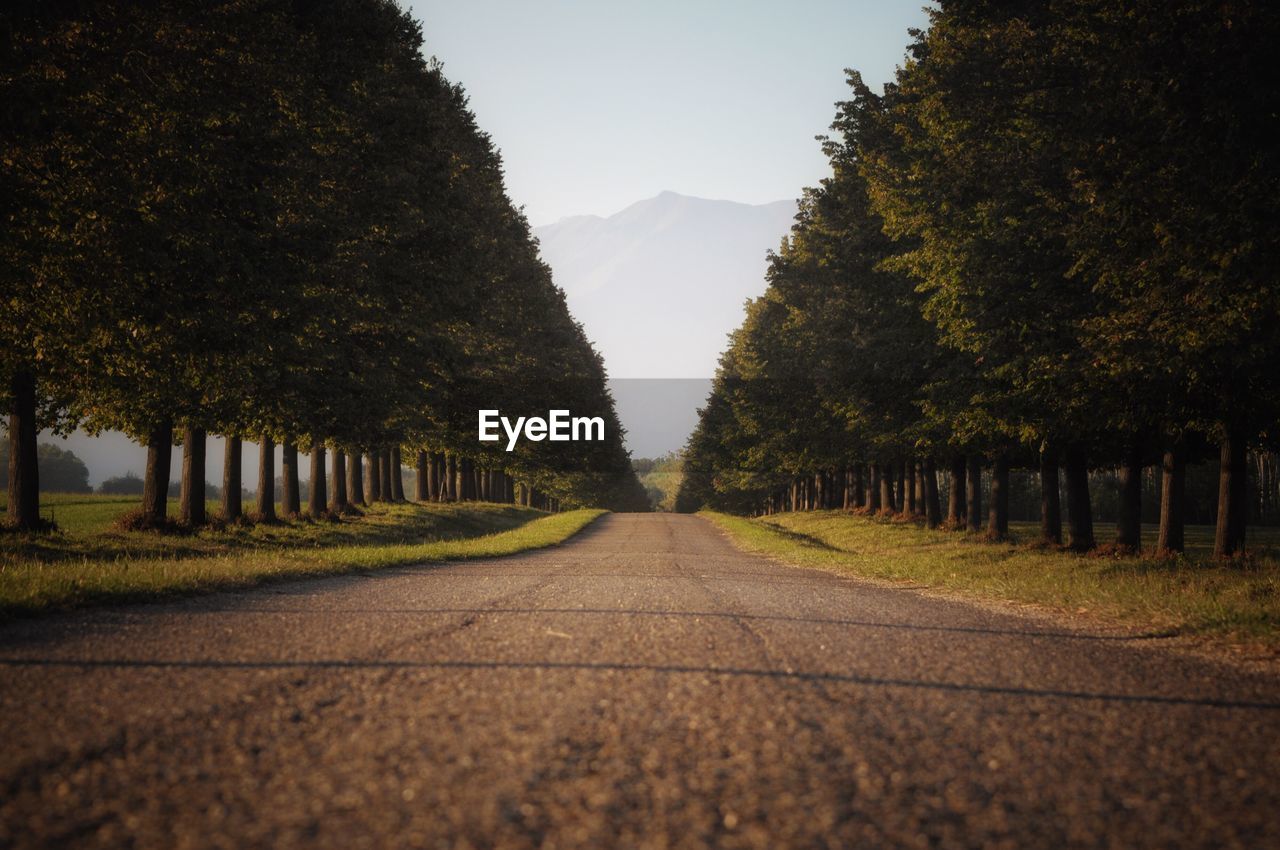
660, 285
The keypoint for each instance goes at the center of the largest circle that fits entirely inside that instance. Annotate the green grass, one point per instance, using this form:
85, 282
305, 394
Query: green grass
87, 561
1192, 595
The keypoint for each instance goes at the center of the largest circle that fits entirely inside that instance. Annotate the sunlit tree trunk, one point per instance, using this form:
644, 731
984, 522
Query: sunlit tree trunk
155, 489
191, 507
266, 506
24, 456
232, 500
1173, 498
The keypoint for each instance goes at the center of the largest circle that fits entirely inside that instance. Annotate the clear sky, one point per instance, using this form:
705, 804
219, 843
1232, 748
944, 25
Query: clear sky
596, 105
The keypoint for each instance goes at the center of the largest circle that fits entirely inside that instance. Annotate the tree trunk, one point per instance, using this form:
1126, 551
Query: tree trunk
24, 463
1079, 511
386, 460
933, 506
451, 478
1050, 507
155, 489
1233, 475
917, 488
859, 490
232, 500
440, 490
338, 500
375, 475
910, 506
422, 486
1173, 501
1129, 522
973, 492
875, 490
887, 476
397, 475
191, 497
355, 479
957, 507
900, 491
266, 507
290, 491
998, 515
317, 502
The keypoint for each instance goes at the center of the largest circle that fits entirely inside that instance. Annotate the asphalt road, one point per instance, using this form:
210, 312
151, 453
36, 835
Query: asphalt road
645, 685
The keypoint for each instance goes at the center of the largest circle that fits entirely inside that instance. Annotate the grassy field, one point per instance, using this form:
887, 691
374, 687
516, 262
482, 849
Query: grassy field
88, 561
1236, 603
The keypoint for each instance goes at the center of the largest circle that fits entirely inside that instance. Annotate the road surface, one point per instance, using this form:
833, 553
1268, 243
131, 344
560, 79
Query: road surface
645, 685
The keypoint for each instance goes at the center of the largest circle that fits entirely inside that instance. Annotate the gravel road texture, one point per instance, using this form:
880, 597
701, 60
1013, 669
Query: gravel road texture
643, 685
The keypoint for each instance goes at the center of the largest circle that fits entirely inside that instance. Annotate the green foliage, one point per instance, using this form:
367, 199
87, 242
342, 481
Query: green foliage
121, 485
276, 218
1049, 237
60, 470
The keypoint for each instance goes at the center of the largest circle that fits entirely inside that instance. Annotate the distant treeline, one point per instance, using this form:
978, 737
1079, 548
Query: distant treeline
1050, 244
660, 477
279, 221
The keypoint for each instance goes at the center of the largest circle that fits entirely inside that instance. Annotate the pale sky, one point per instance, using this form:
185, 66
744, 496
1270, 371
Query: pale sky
596, 105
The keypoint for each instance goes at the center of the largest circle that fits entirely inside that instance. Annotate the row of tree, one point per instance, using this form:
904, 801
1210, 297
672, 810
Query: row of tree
1049, 243
271, 219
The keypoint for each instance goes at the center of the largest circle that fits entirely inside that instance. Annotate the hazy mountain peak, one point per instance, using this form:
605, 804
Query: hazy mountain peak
660, 284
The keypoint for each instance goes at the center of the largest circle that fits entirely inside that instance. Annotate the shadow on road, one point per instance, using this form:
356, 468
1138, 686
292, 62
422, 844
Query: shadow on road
601, 667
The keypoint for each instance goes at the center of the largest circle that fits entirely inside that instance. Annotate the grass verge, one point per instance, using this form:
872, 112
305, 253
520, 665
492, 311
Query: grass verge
1227, 603
46, 572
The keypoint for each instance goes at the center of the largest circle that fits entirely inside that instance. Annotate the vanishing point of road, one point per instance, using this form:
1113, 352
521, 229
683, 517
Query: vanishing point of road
645, 685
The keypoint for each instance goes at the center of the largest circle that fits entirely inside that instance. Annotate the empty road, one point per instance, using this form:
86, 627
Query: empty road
645, 685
